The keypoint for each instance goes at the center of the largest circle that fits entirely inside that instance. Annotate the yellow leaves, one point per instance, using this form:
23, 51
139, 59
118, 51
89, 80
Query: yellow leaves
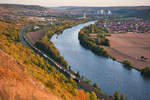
36, 65
75, 92
93, 96
82, 94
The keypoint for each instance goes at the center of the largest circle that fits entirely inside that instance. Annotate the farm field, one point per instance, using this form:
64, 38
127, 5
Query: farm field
130, 46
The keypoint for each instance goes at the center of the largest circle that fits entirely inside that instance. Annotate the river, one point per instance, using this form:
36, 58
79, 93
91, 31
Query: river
108, 74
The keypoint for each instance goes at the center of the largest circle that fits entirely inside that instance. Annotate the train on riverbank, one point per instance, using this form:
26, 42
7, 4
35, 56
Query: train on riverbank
59, 67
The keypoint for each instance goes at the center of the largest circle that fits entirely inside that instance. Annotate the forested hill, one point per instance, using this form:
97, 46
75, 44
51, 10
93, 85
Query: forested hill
105, 8
29, 7
128, 11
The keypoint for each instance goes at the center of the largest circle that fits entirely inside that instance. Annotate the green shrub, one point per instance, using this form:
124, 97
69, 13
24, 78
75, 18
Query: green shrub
75, 92
126, 63
88, 80
95, 85
50, 84
78, 74
116, 95
146, 71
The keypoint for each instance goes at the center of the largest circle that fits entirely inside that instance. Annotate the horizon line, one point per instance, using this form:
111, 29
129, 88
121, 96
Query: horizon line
76, 5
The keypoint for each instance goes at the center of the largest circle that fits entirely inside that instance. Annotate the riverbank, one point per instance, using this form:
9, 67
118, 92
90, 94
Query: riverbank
91, 38
83, 84
97, 49
109, 74
131, 47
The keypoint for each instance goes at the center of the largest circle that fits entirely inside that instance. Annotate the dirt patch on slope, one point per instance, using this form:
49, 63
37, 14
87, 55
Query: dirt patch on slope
130, 46
36, 36
16, 84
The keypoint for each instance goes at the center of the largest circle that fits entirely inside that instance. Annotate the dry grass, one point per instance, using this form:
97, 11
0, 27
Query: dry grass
131, 47
16, 84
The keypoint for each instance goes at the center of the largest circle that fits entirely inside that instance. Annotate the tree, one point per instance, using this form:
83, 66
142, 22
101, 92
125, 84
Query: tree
82, 94
116, 95
82, 77
71, 80
142, 57
93, 96
126, 63
122, 97
88, 80
146, 71
69, 68
78, 74
95, 85
74, 92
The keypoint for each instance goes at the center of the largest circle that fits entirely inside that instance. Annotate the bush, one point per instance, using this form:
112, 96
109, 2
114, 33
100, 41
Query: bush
126, 63
88, 80
97, 49
75, 92
48, 48
78, 74
95, 85
122, 97
93, 96
116, 95
50, 85
146, 72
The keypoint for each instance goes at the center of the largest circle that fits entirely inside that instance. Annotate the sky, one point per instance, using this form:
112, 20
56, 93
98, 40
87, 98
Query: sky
98, 3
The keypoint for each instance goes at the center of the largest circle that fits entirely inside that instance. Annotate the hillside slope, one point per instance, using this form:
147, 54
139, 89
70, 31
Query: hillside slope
16, 84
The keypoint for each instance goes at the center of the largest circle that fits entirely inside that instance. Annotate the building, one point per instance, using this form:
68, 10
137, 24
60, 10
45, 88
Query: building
93, 35
36, 27
102, 12
109, 12
84, 15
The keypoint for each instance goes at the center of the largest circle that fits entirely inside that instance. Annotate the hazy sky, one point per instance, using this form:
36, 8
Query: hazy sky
51, 3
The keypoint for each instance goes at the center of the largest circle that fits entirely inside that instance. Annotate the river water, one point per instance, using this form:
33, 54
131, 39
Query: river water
108, 74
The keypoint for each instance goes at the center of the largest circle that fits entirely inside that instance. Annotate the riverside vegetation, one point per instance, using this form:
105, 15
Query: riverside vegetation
48, 47
37, 66
95, 44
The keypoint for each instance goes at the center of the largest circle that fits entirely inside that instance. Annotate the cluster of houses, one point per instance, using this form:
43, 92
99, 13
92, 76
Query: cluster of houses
92, 35
33, 13
42, 19
95, 36
127, 26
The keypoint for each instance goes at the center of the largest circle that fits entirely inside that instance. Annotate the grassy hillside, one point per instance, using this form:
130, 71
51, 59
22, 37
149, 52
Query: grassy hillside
37, 67
48, 47
17, 84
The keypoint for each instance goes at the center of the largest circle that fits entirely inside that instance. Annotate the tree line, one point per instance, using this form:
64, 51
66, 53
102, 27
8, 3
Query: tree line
94, 44
38, 67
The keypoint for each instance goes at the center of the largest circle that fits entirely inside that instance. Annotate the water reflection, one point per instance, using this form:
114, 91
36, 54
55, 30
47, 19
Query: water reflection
109, 74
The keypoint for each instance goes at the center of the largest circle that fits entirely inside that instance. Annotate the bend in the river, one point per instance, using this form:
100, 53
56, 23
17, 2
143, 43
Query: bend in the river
110, 75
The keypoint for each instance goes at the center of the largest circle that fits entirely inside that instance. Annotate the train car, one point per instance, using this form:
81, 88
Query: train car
45, 55
77, 80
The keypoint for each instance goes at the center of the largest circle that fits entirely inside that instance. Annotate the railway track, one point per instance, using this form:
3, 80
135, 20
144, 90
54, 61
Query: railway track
26, 42
81, 83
